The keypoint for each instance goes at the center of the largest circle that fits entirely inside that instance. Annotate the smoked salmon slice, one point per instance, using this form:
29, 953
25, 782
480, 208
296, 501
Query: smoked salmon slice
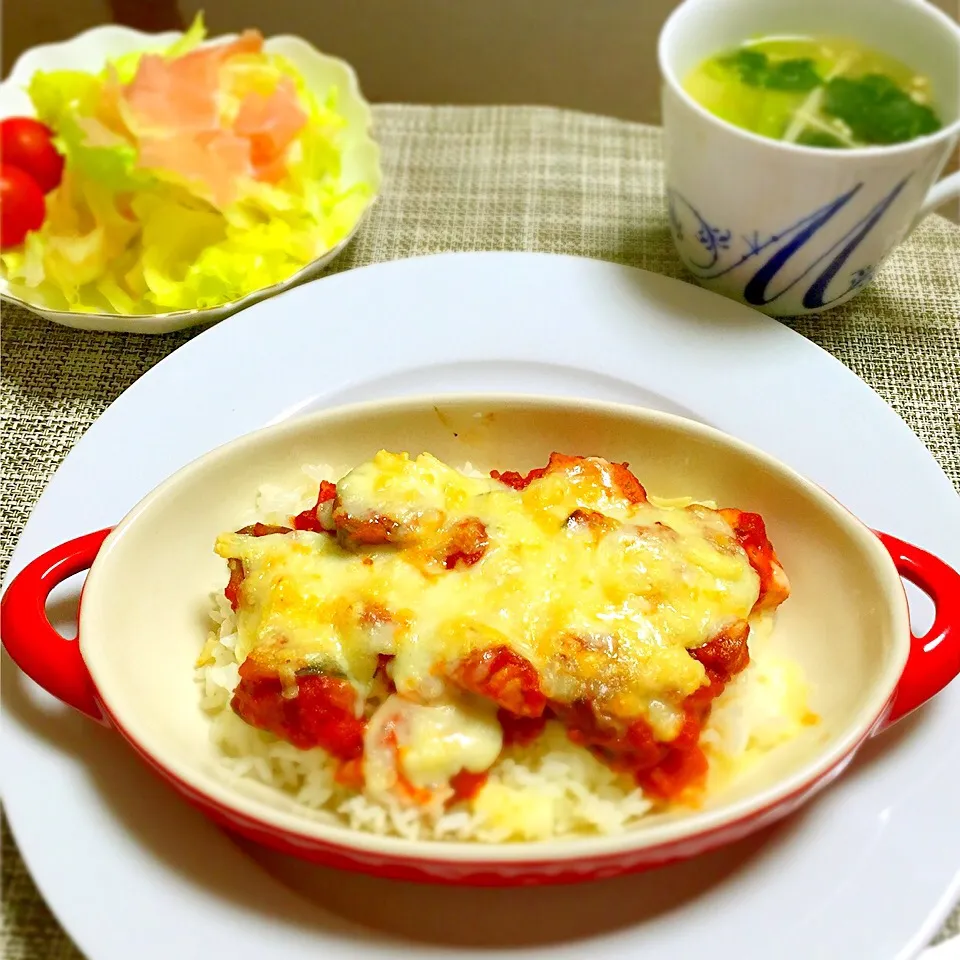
180, 93
271, 123
211, 160
173, 106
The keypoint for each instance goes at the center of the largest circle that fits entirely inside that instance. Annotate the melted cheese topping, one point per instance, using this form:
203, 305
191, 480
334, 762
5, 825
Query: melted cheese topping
604, 608
429, 745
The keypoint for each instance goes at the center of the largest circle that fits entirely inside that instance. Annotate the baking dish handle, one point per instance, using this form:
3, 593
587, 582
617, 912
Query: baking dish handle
51, 660
934, 658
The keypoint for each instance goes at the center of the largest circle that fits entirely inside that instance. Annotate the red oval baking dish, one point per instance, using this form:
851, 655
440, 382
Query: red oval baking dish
143, 622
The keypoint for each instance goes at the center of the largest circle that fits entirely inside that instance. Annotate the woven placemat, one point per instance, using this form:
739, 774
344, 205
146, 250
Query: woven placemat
482, 178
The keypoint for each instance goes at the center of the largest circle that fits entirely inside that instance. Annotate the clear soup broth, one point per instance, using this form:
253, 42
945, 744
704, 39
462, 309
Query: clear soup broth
816, 92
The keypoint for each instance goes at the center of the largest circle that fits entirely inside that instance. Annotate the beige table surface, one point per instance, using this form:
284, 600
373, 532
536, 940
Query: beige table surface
483, 178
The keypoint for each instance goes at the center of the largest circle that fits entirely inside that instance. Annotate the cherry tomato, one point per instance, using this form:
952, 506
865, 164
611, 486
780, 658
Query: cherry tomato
22, 207
28, 144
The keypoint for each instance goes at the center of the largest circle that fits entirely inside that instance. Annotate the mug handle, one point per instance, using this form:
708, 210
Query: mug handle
52, 661
943, 191
934, 658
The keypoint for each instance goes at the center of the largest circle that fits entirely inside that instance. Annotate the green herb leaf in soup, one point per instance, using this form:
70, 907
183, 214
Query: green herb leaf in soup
756, 70
816, 92
819, 138
877, 111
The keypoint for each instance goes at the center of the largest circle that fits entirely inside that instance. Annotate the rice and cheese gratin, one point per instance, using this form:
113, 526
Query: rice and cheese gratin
435, 653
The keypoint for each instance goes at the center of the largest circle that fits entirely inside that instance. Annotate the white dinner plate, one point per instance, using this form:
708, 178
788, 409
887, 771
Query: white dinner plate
867, 870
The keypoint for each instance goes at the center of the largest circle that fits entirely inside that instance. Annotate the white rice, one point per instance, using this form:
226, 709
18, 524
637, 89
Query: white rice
549, 789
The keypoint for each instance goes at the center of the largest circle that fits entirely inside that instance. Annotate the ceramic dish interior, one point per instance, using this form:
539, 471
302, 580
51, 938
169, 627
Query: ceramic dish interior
89, 50
145, 608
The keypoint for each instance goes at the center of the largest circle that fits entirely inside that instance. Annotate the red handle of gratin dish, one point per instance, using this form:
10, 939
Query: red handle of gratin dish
934, 658
51, 660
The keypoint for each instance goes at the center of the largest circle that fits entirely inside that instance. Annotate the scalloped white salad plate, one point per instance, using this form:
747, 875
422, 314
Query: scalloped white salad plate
90, 50
867, 869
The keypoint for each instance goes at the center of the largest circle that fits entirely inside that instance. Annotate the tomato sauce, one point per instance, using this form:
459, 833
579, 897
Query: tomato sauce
467, 544
629, 485
751, 533
232, 589
467, 785
521, 731
726, 654
517, 480
322, 714
504, 677
307, 520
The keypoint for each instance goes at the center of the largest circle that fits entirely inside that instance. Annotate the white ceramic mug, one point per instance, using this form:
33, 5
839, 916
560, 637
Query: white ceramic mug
790, 229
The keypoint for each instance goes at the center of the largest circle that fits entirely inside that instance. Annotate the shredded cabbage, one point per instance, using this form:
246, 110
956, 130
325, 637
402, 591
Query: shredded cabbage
165, 206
